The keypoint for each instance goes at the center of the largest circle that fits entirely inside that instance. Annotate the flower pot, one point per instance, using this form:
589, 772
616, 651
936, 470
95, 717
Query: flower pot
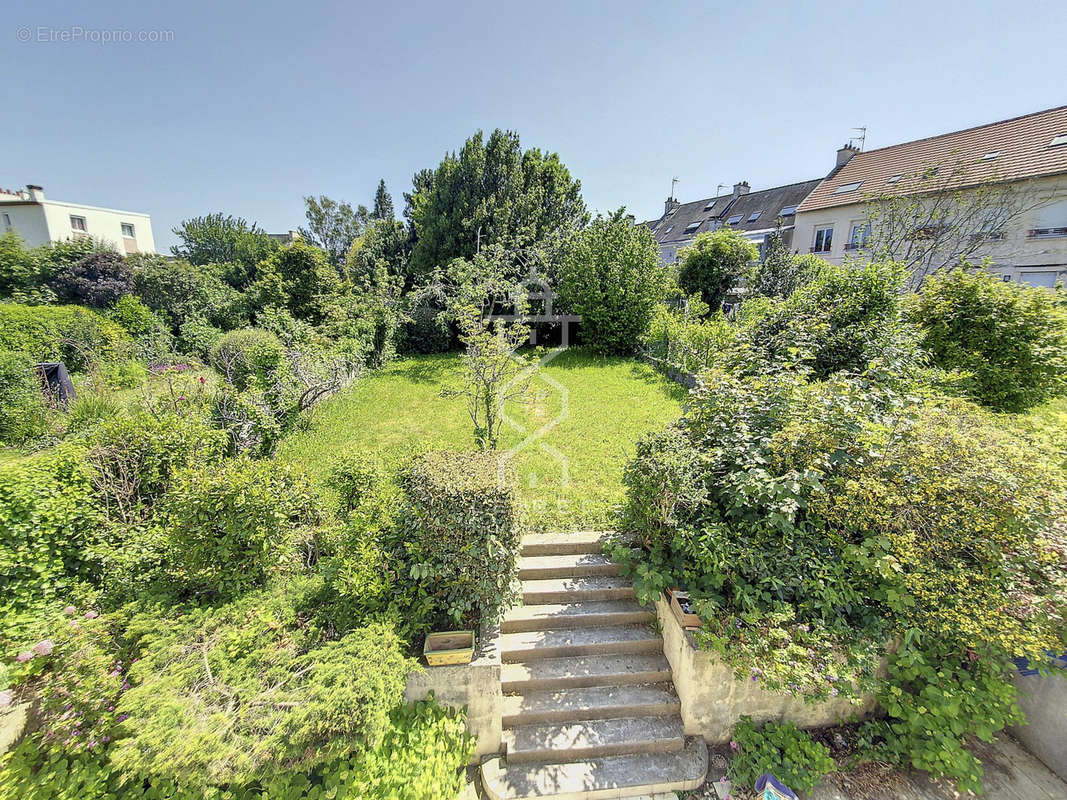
680, 607
449, 647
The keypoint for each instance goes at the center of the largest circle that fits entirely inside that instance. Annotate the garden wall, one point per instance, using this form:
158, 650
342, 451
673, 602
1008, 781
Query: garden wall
1043, 698
475, 685
713, 700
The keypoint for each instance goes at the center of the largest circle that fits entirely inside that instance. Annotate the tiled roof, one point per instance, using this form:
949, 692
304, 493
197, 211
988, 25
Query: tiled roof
700, 216
1022, 146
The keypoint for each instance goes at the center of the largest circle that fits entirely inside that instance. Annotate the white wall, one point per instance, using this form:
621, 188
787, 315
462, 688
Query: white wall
27, 220
100, 223
1017, 255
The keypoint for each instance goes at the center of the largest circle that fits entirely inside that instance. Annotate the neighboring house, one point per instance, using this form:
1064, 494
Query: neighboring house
39, 221
1026, 154
285, 238
753, 214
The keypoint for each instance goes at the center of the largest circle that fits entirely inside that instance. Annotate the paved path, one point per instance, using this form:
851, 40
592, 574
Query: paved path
1011, 773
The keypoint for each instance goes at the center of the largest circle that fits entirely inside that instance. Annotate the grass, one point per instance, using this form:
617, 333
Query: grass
569, 457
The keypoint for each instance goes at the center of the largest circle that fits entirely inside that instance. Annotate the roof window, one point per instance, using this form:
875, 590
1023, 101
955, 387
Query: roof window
1058, 141
692, 226
736, 218
991, 155
754, 215
848, 187
893, 178
788, 211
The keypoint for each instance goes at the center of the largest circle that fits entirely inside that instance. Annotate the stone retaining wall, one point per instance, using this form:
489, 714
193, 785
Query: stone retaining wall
713, 700
475, 685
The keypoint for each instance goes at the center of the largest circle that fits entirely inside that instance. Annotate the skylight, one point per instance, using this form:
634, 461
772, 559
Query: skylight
788, 211
848, 187
1059, 140
710, 205
893, 179
692, 226
736, 218
754, 215
668, 229
991, 155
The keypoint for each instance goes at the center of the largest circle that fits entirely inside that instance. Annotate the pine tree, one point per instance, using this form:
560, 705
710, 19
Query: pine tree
383, 203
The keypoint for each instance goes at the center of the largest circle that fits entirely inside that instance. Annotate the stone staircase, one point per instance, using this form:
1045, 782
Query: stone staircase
589, 707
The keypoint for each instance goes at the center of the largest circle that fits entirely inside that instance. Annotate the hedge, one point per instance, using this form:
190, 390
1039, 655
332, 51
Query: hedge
71, 334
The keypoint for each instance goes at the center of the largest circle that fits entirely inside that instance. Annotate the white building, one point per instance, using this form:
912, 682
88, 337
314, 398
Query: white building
39, 221
1029, 152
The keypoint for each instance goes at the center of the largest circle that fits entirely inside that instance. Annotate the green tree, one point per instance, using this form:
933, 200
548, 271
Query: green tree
333, 226
781, 273
1010, 340
224, 239
300, 279
383, 203
611, 274
714, 263
491, 192
385, 246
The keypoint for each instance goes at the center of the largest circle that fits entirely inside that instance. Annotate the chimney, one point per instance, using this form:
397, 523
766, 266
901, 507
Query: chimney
845, 154
669, 205
741, 188
36, 193
631, 219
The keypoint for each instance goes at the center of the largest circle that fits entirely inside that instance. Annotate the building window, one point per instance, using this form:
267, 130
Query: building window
668, 229
858, 235
788, 211
692, 226
893, 178
127, 231
1059, 140
7, 221
754, 215
991, 155
78, 224
824, 239
848, 187
736, 218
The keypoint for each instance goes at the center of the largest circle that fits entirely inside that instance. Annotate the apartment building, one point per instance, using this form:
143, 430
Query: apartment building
1027, 154
41, 221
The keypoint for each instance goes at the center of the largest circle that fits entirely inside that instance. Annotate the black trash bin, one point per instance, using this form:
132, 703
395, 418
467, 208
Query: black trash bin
55, 380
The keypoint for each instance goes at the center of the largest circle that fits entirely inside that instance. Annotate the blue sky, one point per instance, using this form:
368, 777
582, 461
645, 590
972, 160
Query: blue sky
250, 106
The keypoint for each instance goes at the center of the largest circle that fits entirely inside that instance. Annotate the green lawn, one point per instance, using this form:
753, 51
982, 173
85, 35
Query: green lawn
570, 473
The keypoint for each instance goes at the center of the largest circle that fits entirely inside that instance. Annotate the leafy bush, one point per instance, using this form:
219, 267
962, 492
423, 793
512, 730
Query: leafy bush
781, 749
610, 274
1009, 339
686, 340
781, 273
76, 336
462, 521
97, 281
714, 263
427, 331
300, 279
198, 337
89, 409
302, 703
47, 517
230, 525
180, 292
248, 357
24, 414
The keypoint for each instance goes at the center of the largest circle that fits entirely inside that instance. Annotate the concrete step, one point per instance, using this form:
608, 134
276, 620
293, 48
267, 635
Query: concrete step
558, 544
600, 778
575, 615
575, 672
575, 565
594, 702
532, 645
594, 738
576, 590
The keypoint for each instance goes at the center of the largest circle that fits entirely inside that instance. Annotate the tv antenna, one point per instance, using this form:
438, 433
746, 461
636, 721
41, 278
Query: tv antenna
863, 135
673, 182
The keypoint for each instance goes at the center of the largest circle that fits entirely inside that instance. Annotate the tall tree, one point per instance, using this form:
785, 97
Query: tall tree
224, 239
383, 203
333, 226
492, 192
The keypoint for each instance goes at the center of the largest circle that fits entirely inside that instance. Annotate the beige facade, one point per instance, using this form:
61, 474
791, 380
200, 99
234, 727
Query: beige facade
1033, 250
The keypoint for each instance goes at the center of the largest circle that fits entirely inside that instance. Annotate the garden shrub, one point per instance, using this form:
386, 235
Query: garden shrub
781, 749
462, 521
611, 274
47, 517
180, 292
90, 408
686, 340
428, 330
76, 336
1009, 339
97, 281
198, 337
25, 416
303, 703
230, 525
298, 278
248, 357
714, 263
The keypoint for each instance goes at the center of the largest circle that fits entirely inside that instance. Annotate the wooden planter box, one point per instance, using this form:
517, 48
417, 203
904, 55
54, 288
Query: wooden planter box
449, 647
686, 619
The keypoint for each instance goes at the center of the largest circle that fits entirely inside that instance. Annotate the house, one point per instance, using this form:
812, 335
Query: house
753, 214
1026, 156
40, 221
